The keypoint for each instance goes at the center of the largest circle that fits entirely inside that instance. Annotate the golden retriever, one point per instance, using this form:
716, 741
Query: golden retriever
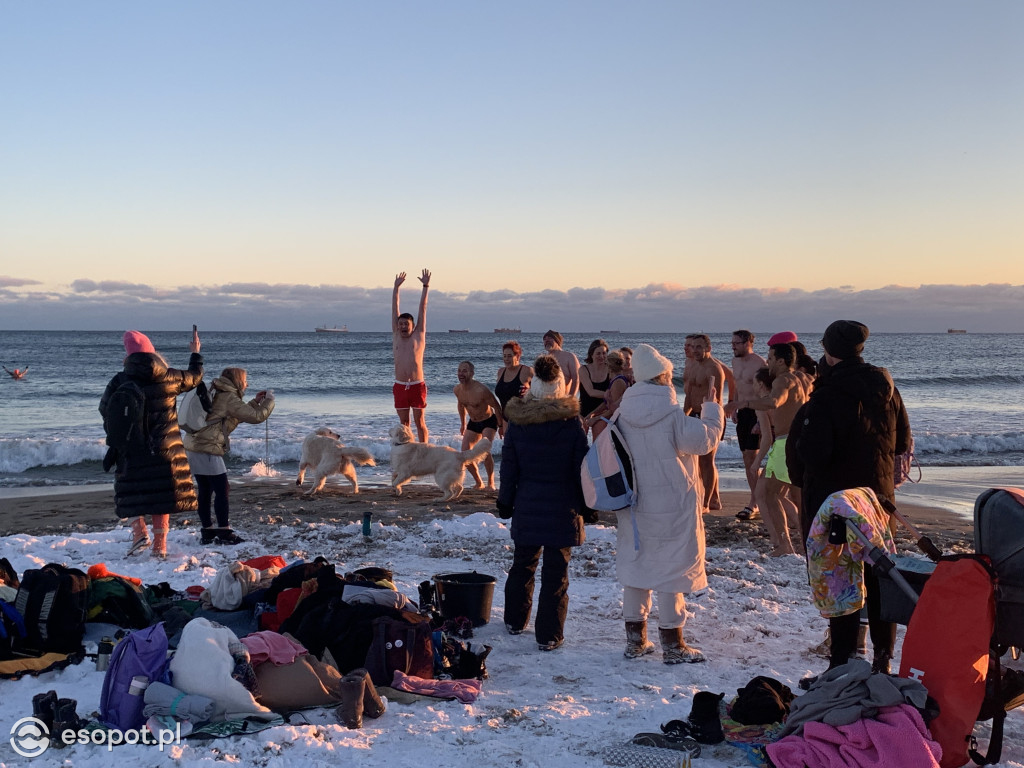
410, 459
325, 455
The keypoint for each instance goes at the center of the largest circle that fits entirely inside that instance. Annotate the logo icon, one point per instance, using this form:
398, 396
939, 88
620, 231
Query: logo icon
30, 737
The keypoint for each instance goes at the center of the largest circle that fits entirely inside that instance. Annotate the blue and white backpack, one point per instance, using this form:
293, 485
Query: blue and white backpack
607, 471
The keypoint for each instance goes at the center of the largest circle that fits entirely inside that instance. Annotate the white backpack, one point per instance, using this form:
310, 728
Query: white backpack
192, 410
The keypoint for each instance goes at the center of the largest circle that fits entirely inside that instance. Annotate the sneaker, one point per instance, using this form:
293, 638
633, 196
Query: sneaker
550, 645
138, 546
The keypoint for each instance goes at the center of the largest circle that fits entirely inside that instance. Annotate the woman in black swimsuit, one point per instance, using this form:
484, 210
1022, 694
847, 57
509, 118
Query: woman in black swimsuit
513, 378
594, 377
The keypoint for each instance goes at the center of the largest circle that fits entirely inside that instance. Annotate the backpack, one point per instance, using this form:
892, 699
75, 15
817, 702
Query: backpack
952, 658
126, 423
142, 653
903, 465
12, 630
607, 471
53, 601
402, 643
999, 533
193, 409
116, 600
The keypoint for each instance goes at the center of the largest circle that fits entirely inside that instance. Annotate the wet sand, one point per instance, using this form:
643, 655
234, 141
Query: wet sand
280, 501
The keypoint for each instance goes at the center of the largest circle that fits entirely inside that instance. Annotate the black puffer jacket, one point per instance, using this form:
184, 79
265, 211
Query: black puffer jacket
159, 483
544, 446
853, 427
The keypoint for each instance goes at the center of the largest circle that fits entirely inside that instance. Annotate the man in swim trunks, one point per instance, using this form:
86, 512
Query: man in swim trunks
567, 361
408, 340
745, 363
702, 370
790, 390
484, 411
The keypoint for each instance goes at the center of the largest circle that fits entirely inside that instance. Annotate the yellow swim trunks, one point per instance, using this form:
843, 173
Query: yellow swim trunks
775, 461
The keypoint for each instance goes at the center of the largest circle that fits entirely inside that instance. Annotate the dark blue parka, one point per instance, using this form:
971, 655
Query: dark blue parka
545, 444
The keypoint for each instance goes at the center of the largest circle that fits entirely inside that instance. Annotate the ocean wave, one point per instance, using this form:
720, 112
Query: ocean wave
965, 380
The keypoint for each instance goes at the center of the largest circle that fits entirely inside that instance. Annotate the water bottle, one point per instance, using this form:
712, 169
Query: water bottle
103, 652
366, 523
138, 685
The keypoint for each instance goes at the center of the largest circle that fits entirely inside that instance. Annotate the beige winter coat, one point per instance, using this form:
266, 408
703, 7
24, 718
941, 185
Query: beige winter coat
668, 554
227, 412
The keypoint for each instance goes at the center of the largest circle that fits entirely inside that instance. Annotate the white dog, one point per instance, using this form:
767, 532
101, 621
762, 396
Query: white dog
323, 452
410, 459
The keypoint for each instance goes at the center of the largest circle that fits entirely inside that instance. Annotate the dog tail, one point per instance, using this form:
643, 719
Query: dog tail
359, 456
477, 452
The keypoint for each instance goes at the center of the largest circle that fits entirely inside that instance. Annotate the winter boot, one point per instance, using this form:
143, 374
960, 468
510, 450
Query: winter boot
674, 649
637, 644
373, 704
704, 721
66, 719
881, 663
160, 543
862, 640
44, 708
140, 536
353, 691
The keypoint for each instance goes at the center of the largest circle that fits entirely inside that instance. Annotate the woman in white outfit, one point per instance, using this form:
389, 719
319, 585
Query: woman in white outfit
661, 538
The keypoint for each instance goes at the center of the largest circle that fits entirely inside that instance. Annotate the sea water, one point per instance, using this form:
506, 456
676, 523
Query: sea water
964, 393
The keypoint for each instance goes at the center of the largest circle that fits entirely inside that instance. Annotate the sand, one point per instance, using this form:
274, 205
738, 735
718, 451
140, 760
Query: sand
280, 501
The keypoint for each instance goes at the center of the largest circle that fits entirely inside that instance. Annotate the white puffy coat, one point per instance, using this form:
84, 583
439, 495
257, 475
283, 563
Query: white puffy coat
668, 555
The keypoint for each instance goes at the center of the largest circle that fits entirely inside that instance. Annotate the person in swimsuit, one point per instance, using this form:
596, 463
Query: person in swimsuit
17, 373
594, 377
620, 377
513, 377
483, 410
408, 340
746, 363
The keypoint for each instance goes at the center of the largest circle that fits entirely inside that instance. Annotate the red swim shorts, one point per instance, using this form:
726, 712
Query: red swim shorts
410, 395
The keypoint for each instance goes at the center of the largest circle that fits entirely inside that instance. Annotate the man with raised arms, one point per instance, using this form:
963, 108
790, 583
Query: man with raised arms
484, 411
745, 363
567, 361
790, 390
700, 371
408, 340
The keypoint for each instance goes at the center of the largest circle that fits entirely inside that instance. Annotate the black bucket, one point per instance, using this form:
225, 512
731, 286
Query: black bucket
465, 594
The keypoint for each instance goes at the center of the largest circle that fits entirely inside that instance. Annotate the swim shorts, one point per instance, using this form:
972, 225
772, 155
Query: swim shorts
746, 419
775, 462
491, 422
412, 394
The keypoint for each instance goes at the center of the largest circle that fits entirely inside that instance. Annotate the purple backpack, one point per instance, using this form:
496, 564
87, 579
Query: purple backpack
142, 653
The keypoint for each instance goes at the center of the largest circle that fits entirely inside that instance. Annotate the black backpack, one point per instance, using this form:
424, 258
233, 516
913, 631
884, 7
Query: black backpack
116, 600
53, 601
126, 424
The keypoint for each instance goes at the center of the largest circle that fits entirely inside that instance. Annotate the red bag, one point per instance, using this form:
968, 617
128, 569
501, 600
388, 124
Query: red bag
263, 562
947, 648
287, 599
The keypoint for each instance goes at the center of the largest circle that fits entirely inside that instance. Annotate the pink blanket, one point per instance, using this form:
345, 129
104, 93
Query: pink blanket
465, 691
270, 646
897, 736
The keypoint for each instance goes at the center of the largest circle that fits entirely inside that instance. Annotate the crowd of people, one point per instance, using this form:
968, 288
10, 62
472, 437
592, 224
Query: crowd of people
806, 429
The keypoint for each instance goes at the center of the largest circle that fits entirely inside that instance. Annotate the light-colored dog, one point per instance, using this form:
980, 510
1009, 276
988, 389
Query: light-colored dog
325, 455
410, 459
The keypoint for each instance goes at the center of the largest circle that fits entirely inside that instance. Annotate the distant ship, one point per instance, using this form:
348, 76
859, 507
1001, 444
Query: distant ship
955, 330
458, 330
605, 333
335, 329
508, 331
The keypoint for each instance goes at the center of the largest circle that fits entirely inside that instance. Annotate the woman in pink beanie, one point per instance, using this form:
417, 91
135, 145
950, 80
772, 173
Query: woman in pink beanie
152, 475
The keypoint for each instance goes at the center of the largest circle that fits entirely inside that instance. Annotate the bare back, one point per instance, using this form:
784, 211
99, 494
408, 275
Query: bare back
790, 390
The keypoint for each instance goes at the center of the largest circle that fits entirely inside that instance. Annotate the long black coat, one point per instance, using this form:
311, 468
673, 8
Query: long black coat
853, 426
160, 482
544, 447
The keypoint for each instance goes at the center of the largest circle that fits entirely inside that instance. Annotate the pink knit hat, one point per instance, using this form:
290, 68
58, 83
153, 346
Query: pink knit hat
783, 337
137, 342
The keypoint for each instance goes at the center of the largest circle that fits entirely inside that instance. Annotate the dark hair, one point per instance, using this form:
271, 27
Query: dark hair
514, 346
700, 337
806, 364
764, 376
784, 352
799, 347
554, 335
546, 368
407, 316
744, 336
472, 368
594, 345
626, 349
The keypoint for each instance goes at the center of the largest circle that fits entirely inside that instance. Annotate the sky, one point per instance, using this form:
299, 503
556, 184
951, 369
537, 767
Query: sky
644, 165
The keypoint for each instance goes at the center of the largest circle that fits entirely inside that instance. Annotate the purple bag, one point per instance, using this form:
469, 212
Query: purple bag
143, 653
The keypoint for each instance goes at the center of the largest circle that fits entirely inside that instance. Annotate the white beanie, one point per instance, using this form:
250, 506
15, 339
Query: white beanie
554, 388
648, 363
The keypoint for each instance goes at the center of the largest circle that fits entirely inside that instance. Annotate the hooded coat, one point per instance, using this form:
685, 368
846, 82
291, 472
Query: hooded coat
227, 412
668, 553
160, 482
544, 447
853, 426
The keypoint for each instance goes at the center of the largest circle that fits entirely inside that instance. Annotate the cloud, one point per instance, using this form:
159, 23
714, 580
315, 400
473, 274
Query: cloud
656, 307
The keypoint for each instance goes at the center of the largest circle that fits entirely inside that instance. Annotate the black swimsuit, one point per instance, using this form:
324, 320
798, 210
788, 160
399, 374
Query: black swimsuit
587, 401
506, 390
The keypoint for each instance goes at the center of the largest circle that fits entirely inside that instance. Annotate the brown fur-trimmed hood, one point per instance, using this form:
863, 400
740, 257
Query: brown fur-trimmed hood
530, 410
